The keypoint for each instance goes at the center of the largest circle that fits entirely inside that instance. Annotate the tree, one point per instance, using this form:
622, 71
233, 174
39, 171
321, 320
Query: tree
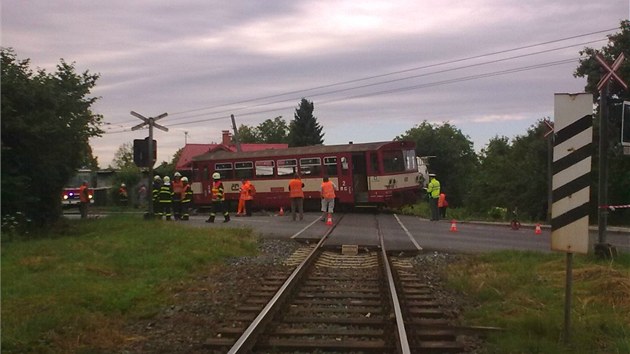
46, 123
454, 158
304, 129
247, 134
128, 173
494, 174
273, 131
123, 157
619, 165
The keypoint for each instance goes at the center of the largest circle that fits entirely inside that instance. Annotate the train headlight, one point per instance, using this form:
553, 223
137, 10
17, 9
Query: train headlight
65, 197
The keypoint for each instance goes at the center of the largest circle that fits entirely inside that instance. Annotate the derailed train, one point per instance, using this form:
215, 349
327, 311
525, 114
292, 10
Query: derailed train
374, 174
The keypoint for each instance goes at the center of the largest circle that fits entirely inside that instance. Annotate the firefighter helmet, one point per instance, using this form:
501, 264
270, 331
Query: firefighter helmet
157, 178
167, 179
177, 174
123, 185
185, 179
216, 175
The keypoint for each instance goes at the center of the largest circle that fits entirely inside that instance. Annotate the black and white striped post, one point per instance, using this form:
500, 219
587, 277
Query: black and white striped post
571, 170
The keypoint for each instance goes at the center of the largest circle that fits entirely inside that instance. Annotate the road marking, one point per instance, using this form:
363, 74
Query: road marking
306, 227
408, 233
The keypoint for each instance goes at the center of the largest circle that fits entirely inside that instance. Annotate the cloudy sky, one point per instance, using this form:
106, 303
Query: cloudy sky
374, 69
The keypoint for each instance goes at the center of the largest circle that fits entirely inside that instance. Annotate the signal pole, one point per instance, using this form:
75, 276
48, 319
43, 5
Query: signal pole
151, 123
610, 72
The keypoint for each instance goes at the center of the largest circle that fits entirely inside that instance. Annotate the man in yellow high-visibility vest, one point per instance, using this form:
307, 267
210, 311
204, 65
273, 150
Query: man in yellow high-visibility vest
433, 190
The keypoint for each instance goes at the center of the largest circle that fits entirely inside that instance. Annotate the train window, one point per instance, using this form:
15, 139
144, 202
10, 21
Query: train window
244, 169
206, 174
264, 168
225, 169
393, 161
374, 162
410, 160
331, 166
311, 166
287, 167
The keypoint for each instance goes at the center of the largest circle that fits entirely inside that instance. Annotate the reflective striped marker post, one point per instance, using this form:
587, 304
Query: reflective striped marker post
571, 169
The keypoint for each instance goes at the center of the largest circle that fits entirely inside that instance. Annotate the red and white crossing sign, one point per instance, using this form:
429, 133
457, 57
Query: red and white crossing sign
611, 71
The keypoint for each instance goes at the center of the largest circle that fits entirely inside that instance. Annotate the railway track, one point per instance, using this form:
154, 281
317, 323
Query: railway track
366, 302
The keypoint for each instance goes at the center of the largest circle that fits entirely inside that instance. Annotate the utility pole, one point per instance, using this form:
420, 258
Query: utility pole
151, 123
185, 138
236, 140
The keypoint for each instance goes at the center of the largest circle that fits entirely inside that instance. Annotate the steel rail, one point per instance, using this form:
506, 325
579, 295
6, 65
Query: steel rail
400, 323
244, 343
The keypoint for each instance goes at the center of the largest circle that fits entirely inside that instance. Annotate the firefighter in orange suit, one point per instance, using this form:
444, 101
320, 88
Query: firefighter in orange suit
241, 198
218, 199
328, 197
250, 191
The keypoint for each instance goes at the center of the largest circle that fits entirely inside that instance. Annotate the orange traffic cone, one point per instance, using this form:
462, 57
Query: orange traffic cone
281, 213
453, 225
329, 219
538, 230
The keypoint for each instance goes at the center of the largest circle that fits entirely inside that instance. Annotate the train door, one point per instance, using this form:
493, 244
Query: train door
343, 173
359, 178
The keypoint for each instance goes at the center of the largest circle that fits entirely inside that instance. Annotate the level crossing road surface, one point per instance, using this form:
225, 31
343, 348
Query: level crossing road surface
404, 233
401, 232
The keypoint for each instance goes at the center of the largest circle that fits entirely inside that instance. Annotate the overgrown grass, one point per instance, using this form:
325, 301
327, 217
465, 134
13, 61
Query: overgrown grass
523, 292
73, 289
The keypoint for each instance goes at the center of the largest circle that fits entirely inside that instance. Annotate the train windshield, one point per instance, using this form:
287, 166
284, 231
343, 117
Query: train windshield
399, 161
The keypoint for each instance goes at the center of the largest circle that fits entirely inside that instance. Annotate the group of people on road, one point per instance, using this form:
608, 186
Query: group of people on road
296, 195
171, 199
248, 191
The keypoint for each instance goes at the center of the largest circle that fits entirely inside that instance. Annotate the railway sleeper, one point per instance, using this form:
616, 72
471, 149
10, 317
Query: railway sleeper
312, 344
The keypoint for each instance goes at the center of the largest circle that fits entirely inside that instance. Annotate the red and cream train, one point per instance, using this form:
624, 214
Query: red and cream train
368, 174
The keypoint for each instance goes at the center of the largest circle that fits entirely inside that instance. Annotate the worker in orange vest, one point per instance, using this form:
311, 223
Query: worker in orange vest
328, 197
242, 197
246, 198
84, 199
296, 194
249, 197
442, 205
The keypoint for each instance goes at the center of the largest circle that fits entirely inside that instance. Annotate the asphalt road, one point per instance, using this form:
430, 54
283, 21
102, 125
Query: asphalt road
404, 233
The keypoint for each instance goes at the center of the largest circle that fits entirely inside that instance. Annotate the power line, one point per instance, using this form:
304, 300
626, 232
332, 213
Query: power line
379, 83
400, 71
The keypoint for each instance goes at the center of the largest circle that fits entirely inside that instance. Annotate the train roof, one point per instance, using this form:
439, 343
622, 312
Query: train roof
304, 150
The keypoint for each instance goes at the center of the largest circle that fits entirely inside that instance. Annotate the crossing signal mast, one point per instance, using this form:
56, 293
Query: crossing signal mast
147, 149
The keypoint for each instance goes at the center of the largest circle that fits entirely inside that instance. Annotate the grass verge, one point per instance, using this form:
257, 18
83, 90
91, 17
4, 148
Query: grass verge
72, 290
523, 292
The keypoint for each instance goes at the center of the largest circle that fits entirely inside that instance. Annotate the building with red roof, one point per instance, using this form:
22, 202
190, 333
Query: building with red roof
191, 150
